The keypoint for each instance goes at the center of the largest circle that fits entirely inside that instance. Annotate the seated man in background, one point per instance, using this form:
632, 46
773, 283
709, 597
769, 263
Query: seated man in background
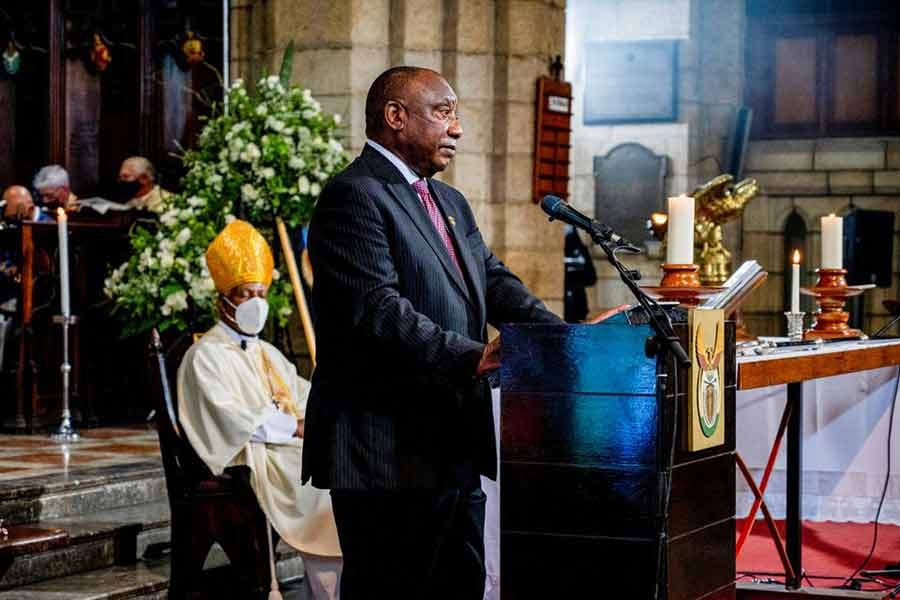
241, 403
137, 185
19, 206
52, 184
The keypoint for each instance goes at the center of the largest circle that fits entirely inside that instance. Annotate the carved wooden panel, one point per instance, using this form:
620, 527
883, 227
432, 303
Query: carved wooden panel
826, 70
854, 84
795, 81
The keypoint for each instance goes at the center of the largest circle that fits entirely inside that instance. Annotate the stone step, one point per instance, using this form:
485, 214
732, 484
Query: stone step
55, 549
149, 580
81, 491
59, 547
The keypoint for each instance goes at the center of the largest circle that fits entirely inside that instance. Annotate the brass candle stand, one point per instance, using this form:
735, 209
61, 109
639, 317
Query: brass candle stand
831, 292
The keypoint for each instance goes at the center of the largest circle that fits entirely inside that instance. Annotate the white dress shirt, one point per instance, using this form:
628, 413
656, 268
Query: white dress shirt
410, 175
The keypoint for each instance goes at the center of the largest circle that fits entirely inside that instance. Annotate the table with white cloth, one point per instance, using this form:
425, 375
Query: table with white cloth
834, 403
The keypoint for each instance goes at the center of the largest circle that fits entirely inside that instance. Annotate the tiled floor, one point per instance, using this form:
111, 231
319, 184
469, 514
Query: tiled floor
23, 456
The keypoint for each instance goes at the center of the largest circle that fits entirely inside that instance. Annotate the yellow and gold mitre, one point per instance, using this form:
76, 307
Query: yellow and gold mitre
239, 254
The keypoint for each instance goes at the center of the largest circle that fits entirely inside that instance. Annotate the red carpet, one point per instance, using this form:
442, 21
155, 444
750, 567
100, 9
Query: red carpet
830, 550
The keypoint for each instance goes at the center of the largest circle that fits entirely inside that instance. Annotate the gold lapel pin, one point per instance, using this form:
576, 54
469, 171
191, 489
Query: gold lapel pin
452, 220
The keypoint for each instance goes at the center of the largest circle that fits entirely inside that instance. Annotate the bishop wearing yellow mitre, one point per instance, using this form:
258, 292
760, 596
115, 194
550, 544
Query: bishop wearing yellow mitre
241, 402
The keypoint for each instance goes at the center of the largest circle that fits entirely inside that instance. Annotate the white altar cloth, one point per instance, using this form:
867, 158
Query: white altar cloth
845, 426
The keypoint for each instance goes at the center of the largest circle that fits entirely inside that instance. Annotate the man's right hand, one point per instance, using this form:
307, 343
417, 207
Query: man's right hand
490, 358
298, 433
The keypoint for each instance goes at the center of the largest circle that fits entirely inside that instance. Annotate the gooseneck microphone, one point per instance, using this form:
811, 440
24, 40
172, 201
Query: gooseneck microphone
559, 209
612, 244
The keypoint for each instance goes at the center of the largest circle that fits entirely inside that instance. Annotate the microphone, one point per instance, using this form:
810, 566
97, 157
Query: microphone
560, 210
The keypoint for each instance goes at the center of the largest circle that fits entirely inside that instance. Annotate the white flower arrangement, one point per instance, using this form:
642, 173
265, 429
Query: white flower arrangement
268, 155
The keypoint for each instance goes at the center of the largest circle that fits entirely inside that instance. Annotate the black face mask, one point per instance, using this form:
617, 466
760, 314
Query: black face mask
126, 190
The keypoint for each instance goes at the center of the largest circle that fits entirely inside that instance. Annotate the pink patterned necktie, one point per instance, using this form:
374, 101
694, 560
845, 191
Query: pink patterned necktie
436, 219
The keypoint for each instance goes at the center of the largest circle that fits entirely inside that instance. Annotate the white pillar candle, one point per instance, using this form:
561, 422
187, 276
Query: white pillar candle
795, 282
62, 228
832, 242
680, 235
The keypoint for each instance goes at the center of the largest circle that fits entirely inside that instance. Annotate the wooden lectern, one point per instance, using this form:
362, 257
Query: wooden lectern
587, 428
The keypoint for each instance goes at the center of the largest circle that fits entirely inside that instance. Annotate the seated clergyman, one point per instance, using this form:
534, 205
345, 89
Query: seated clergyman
52, 185
137, 185
241, 402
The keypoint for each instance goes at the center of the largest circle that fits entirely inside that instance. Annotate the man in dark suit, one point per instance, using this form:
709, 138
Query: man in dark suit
399, 423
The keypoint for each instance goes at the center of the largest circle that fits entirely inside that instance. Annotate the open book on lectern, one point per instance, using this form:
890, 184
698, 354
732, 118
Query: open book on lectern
737, 288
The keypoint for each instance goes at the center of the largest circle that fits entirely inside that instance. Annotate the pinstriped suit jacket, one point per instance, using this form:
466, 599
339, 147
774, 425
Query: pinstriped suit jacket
394, 402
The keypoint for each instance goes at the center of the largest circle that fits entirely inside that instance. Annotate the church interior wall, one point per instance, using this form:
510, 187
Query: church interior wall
709, 62
491, 51
817, 177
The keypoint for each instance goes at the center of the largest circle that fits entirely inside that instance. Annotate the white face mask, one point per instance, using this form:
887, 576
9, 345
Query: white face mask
251, 314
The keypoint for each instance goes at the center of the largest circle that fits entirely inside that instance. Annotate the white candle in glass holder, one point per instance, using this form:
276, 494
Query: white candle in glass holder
63, 230
795, 282
832, 242
680, 234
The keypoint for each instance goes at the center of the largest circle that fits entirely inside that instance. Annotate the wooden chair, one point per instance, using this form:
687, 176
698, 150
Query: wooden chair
205, 509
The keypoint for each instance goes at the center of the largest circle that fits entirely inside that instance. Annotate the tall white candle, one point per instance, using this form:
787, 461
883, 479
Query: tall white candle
832, 242
680, 235
795, 282
63, 229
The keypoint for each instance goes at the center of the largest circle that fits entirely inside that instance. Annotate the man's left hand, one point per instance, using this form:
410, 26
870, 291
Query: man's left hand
608, 313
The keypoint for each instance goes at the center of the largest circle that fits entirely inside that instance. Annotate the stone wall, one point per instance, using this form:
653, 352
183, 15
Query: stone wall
491, 51
710, 79
815, 177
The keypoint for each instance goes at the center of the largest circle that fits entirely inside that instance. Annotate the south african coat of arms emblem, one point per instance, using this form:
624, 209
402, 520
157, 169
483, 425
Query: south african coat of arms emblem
706, 397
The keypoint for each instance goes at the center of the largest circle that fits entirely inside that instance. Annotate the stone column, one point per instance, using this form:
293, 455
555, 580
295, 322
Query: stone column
417, 33
468, 64
717, 47
528, 33
250, 36
339, 52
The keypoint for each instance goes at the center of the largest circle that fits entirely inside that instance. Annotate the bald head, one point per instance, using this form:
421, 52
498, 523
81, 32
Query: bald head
412, 111
397, 83
19, 204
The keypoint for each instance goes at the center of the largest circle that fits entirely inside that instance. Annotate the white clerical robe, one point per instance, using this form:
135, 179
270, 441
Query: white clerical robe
222, 401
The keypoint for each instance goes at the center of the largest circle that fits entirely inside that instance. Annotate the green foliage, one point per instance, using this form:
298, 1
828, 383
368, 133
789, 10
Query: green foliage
287, 65
267, 155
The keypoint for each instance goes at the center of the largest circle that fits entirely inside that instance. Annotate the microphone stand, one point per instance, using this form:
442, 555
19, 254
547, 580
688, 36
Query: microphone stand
665, 335
606, 238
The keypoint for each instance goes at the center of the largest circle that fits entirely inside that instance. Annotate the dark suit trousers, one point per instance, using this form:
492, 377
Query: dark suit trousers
411, 545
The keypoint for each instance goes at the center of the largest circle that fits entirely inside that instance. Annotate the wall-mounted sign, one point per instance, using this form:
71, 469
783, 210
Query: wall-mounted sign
558, 104
631, 82
553, 127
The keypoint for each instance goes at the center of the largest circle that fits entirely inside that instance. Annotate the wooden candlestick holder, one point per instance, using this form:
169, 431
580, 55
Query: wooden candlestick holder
680, 276
831, 292
681, 283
